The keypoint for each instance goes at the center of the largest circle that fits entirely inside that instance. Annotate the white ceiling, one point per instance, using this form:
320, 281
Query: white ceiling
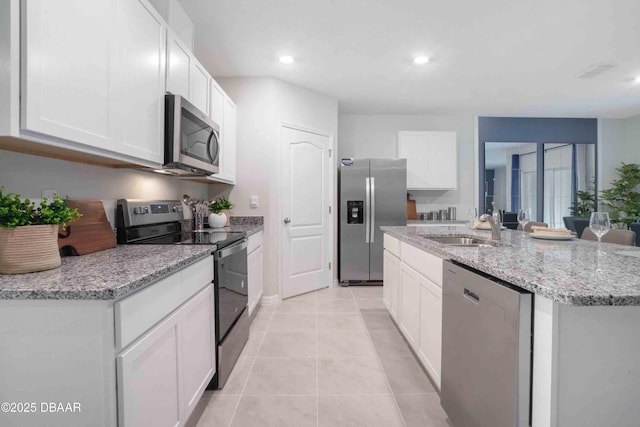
492, 57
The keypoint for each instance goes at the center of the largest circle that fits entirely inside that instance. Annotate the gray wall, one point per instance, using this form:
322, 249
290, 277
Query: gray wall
377, 136
619, 142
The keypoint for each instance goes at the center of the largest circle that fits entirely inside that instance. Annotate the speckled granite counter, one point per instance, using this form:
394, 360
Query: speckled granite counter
432, 223
569, 272
103, 275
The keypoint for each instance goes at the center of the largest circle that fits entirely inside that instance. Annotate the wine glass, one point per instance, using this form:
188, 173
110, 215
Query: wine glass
523, 218
473, 214
600, 225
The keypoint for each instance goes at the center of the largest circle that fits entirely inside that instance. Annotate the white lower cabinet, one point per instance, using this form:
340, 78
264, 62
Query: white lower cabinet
415, 280
391, 283
148, 379
430, 348
255, 267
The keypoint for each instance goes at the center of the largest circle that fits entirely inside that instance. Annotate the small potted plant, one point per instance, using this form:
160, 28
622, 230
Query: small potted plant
29, 233
623, 198
220, 212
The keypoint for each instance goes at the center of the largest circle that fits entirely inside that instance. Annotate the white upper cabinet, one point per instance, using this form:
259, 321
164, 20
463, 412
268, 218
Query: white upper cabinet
199, 86
94, 74
68, 75
141, 80
228, 160
432, 159
178, 66
216, 103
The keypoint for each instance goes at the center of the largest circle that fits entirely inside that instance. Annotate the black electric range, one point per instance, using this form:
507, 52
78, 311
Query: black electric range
158, 222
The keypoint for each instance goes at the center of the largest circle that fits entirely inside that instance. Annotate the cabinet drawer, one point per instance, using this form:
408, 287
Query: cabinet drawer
423, 262
136, 314
255, 241
392, 245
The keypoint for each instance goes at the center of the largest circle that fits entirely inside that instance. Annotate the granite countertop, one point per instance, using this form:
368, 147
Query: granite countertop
249, 229
569, 272
436, 222
104, 275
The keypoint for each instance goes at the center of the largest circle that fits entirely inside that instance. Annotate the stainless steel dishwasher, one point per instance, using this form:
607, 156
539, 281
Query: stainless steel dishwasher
486, 350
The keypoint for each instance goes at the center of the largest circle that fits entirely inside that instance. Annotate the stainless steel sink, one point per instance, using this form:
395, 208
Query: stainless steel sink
464, 241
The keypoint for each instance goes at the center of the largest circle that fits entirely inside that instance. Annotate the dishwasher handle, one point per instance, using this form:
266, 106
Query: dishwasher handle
470, 296
232, 249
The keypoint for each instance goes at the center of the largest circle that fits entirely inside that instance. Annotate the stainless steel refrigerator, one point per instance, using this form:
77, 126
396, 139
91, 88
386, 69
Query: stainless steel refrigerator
373, 193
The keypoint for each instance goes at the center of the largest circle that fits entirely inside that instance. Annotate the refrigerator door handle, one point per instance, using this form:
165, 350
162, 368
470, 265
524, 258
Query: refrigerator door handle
367, 210
373, 209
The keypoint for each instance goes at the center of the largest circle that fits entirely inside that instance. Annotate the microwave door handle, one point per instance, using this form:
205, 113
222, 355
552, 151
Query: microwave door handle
212, 158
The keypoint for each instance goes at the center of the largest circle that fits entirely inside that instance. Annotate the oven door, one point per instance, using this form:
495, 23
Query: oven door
191, 137
231, 286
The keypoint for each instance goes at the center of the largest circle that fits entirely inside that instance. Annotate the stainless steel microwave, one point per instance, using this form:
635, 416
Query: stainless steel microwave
191, 139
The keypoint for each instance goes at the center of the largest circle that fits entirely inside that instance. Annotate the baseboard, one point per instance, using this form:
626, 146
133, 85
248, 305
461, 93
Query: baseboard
270, 299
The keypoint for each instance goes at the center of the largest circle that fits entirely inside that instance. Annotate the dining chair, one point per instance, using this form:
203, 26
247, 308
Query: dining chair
615, 235
527, 226
580, 224
635, 227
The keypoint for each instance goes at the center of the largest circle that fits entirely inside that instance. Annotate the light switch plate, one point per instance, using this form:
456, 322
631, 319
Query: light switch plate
253, 202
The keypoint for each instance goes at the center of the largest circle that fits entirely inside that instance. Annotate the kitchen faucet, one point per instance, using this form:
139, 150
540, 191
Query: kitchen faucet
494, 222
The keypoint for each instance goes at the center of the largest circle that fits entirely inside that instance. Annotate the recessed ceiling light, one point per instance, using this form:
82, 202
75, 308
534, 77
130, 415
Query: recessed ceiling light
420, 60
286, 59
636, 80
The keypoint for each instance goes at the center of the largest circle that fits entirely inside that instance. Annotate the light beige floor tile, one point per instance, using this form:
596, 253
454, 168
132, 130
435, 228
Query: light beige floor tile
390, 343
371, 304
253, 343
406, 376
422, 410
218, 410
337, 306
358, 411
276, 411
345, 344
365, 292
265, 308
300, 304
239, 374
282, 375
260, 322
290, 322
337, 292
289, 344
340, 322
378, 321
360, 375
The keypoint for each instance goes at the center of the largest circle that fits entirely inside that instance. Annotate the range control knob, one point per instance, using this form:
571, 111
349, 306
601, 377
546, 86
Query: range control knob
145, 210
177, 208
137, 210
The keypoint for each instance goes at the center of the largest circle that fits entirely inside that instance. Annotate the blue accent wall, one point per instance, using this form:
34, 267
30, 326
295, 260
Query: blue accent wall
535, 130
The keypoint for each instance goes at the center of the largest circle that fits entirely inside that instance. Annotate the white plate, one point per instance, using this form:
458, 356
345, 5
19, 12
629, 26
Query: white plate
549, 237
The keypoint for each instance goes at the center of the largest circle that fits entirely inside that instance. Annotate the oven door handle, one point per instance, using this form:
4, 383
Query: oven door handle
233, 249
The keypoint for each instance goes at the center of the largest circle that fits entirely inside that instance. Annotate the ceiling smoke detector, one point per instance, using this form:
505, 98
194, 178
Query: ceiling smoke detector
595, 70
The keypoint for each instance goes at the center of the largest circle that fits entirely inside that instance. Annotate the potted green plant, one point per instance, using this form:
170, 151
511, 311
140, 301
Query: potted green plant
623, 199
220, 212
29, 233
584, 206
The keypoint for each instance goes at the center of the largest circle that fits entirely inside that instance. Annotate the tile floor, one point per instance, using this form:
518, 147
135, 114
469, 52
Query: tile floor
329, 358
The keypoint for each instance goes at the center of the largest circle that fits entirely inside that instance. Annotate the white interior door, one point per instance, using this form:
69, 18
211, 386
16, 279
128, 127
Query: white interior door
306, 227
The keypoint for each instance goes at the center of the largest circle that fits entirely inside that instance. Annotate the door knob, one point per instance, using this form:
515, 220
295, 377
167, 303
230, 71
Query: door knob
287, 220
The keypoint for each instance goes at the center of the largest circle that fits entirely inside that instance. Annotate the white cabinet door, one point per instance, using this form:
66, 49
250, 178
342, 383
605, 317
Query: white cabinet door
430, 349
442, 163
197, 328
68, 48
178, 66
391, 283
432, 162
228, 160
410, 304
199, 86
255, 272
216, 103
149, 389
141, 64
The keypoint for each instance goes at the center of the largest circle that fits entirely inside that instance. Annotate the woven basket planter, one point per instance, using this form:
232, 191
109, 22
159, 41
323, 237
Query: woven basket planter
28, 248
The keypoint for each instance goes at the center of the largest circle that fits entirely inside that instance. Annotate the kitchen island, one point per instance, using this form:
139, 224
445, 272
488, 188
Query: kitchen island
586, 315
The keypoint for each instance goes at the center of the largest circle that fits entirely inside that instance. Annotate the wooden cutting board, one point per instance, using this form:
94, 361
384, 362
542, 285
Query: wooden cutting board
411, 209
91, 233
